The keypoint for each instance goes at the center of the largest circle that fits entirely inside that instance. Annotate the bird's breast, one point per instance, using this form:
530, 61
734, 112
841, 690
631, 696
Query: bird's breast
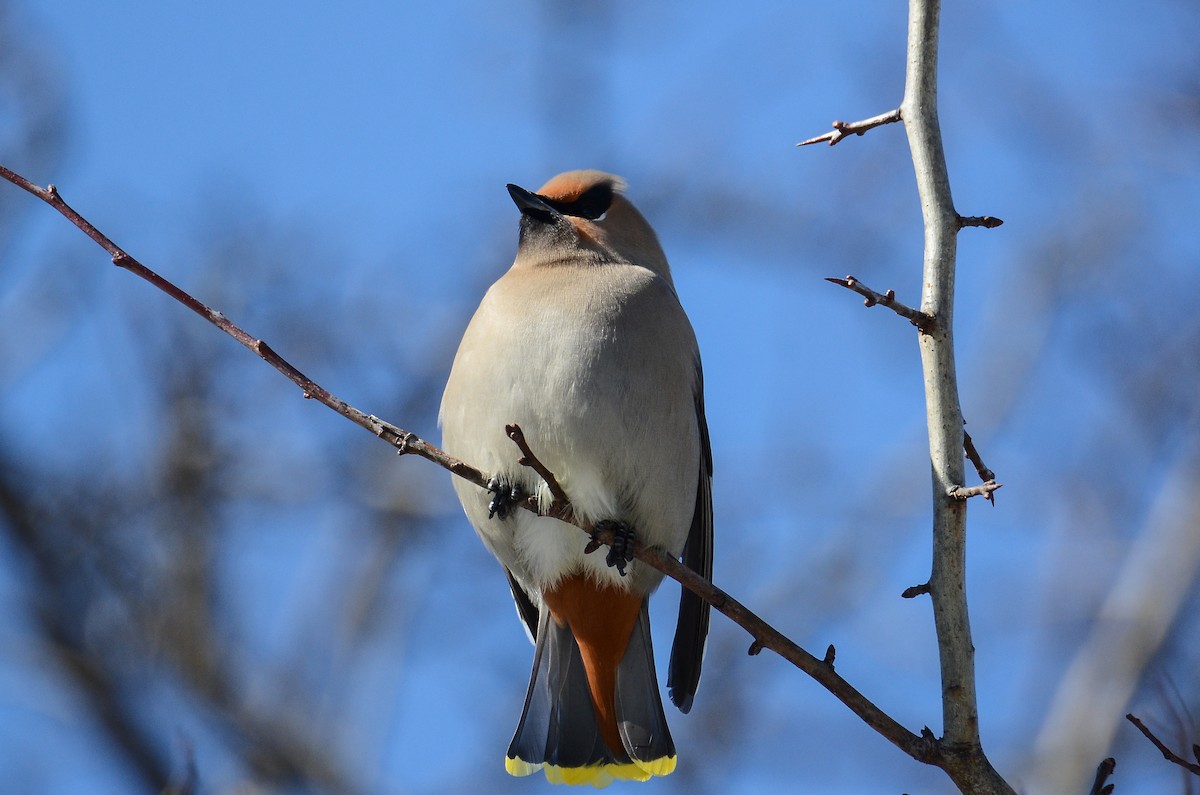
599, 370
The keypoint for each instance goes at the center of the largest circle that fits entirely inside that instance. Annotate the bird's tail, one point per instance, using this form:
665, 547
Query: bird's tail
559, 730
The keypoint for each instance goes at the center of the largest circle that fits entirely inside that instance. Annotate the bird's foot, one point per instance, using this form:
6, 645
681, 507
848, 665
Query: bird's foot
505, 497
620, 551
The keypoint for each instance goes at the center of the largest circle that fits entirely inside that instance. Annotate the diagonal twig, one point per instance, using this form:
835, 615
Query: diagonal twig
843, 129
985, 474
973, 456
1167, 753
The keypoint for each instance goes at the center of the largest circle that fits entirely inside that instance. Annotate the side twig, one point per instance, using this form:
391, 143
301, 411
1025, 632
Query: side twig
843, 129
973, 456
922, 320
528, 459
1168, 754
986, 475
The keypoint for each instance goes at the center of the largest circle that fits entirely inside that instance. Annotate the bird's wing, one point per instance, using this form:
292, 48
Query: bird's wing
691, 631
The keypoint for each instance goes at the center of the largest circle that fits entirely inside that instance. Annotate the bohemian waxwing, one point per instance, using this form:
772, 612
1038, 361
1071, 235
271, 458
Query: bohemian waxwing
583, 343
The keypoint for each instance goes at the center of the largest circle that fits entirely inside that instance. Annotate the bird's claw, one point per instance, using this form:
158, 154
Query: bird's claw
620, 551
505, 496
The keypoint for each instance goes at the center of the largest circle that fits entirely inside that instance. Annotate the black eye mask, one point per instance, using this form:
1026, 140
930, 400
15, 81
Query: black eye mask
591, 204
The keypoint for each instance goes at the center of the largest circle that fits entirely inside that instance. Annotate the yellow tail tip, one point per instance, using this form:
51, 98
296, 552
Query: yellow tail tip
595, 775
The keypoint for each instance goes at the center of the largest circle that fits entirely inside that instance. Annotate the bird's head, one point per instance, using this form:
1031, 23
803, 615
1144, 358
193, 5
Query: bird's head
584, 214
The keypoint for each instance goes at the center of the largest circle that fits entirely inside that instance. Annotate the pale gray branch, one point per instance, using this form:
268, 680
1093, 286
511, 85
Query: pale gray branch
843, 129
947, 582
965, 761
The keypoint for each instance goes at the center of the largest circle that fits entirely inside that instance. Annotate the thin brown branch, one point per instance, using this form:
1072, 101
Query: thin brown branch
966, 492
1103, 772
986, 221
843, 129
1167, 753
923, 321
923, 747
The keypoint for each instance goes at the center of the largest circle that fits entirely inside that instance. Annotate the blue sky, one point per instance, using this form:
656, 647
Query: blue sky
380, 136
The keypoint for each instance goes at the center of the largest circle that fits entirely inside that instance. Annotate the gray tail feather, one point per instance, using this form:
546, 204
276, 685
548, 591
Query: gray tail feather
640, 718
558, 724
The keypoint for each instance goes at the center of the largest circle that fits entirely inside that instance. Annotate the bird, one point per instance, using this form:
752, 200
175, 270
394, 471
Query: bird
583, 343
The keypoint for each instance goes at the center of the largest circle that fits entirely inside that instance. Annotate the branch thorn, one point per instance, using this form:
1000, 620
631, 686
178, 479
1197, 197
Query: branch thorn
986, 221
966, 492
